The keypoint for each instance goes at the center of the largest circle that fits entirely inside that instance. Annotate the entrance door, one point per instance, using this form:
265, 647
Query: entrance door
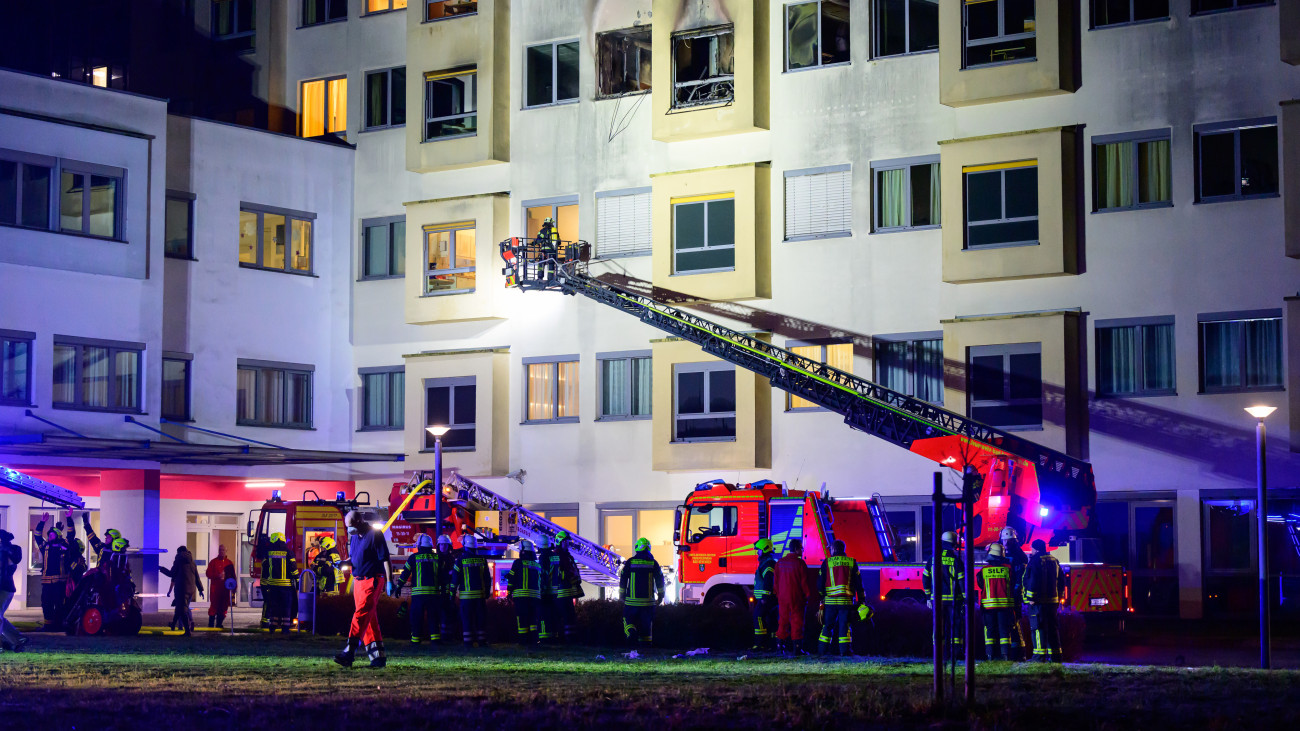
205, 534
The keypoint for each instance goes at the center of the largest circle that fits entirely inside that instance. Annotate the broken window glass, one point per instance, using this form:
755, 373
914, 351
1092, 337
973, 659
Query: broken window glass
623, 61
703, 68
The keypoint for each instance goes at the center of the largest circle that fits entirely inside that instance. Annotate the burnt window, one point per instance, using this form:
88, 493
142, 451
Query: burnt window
703, 69
623, 62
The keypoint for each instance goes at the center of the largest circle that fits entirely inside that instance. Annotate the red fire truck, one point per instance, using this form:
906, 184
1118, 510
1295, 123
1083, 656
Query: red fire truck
305, 523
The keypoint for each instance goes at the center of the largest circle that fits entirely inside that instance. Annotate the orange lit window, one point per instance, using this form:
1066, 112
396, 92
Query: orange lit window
99, 76
325, 107
379, 6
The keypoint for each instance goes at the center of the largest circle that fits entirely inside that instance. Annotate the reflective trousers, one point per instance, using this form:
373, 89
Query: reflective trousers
1046, 634
559, 619
526, 619
279, 600
473, 620
998, 634
638, 624
422, 617
835, 629
765, 621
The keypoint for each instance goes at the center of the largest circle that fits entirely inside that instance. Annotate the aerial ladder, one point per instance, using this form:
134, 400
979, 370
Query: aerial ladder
40, 489
1055, 492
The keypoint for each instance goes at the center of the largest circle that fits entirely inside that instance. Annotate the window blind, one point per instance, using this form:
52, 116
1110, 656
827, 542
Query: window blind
623, 225
819, 204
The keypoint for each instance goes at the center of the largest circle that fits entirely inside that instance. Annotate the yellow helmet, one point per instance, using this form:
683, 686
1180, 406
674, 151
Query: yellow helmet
763, 545
328, 543
277, 537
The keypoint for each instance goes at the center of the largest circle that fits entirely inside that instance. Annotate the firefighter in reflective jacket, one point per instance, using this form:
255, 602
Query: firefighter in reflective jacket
329, 579
524, 580
1017, 559
641, 584
474, 584
279, 572
765, 606
949, 582
840, 582
421, 570
993, 581
1044, 587
561, 588
54, 579
443, 610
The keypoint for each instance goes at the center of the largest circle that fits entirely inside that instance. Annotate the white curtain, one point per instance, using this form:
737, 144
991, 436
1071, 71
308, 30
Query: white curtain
891, 197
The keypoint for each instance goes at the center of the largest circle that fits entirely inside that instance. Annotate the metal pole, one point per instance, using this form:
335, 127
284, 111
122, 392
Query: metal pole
1261, 512
968, 504
437, 478
936, 523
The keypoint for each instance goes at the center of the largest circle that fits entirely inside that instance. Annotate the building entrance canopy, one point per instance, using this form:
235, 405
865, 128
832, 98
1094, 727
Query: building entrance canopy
145, 450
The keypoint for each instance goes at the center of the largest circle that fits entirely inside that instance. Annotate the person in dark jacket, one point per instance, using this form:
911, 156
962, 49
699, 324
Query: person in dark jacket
444, 608
524, 580
765, 608
1016, 558
840, 584
641, 584
54, 582
563, 586
947, 581
10, 558
368, 554
474, 586
794, 589
993, 582
329, 580
1044, 587
421, 570
279, 579
186, 583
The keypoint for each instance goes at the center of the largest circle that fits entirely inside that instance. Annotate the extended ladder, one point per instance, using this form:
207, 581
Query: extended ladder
40, 489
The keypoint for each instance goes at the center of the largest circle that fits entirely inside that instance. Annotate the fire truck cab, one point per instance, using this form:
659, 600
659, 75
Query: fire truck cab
304, 523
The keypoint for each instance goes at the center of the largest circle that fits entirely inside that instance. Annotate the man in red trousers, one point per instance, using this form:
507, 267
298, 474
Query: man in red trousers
793, 589
368, 554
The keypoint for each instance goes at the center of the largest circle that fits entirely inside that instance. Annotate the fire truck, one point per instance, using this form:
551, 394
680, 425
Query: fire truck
304, 523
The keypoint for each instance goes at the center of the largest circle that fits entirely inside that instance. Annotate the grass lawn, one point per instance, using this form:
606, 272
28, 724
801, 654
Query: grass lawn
252, 681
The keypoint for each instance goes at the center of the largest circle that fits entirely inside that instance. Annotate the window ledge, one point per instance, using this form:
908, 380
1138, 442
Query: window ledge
1140, 394
565, 420
179, 258
1231, 10
647, 417
449, 137
79, 234
702, 271
627, 255
561, 103
905, 229
260, 425
381, 428
904, 55
324, 22
380, 277
256, 268
383, 12
449, 449
1000, 63
1131, 23
1235, 198
1139, 207
718, 440
449, 17
94, 410
805, 409
384, 127
987, 247
17, 404
448, 293
607, 97
178, 420
819, 66
1219, 391
815, 237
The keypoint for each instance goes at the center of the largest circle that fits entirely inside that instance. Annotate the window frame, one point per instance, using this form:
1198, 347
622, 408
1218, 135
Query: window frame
1001, 37
703, 200
1236, 5
392, 96
1002, 169
907, 34
188, 199
555, 74
1210, 318
188, 360
1235, 127
555, 203
808, 173
1135, 138
389, 222
25, 159
822, 343
1092, 16
287, 369
366, 12
646, 250
1006, 350
86, 170
302, 116
329, 5
902, 163
450, 383
785, 23
238, 33
729, 79
289, 215
433, 76
20, 336
625, 32
427, 19
1142, 323
705, 367
114, 347
627, 355
364, 400
911, 339
451, 228
554, 361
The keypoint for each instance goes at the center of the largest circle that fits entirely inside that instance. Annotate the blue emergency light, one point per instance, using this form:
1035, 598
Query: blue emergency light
275, 495
339, 496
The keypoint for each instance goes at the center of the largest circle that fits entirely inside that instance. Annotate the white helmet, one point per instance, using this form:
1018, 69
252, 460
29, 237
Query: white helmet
469, 542
424, 541
525, 545
543, 543
444, 543
1009, 534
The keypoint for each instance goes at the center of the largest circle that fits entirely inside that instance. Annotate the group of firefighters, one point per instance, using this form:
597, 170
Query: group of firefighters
64, 562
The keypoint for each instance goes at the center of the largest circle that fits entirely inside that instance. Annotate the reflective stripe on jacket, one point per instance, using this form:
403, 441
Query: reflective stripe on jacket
524, 579
994, 584
840, 580
474, 580
642, 581
422, 570
950, 579
765, 577
278, 566
1044, 580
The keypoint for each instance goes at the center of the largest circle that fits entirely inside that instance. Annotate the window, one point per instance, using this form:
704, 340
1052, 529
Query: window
620, 530
16, 367
99, 77
622, 223
907, 194
1241, 351
277, 239
449, 256
451, 402
1237, 160
905, 26
97, 375
706, 521
90, 199
315, 12
176, 382
1006, 385
439, 9
386, 98
325, 107
835, 355
704, 234
703, 67
552, 73
551, 389
911, 365
563, 210
25, 185
704, 402
383, 247
1135, 357
1131, 171
998, 31
178, 225
383, 394
274, 394
1002, 204
818, 203
233, 21
624, 385
1214, 6
383, 6
1122, 12
816, 33
623, 62
450, 104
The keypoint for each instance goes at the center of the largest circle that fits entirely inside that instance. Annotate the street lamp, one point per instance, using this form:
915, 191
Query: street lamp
1261, 514
437, 432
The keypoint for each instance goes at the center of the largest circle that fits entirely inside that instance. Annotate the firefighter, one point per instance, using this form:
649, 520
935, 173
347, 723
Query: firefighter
1044, 586
475, 583
793, 590
279, 572
11, 556
641, 584
421, 570
446, 576
765, 606
524, 580
949, 585
840, 583
551, 629
54, 582
368, 556
1016, 558
329, 579
566, 582
993, 581
74, 560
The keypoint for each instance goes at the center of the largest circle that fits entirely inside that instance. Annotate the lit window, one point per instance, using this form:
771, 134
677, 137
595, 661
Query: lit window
704, 402
383, 391
381, 6
323, 11
907, 194
95, 375
998, 31
1135, 359
450, 104
275, 239
16, 367
439, 9
816, 33
703, 70
623, 61
1122, 12
624, 385
1131, 171
383, 247
450, 258
176, 386
25, 192
99, 76
1241, 352
550, 390
912, 366
562, 211
552, 73
178, 226
453, 403
1001, 204
835, 355
906, 26
1005, 385
325, 107
386, 98
274, 395
90, 200
704, 234
1236, 160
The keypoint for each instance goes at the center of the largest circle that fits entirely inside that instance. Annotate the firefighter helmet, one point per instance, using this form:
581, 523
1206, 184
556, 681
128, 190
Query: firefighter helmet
995, 549
469, 542
328, 543
763, 545
277, 537
561, 537
543, 543
424, 541
642, 544
948, 537
113, 534
444, 543
1008, 534
119, 544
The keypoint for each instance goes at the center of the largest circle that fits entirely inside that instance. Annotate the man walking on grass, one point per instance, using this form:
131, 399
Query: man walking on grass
368, 554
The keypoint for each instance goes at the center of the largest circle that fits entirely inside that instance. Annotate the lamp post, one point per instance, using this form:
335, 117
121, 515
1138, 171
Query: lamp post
437, 432
1261, 515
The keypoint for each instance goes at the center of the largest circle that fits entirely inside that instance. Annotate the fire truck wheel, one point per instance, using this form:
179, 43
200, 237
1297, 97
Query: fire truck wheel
727, 600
